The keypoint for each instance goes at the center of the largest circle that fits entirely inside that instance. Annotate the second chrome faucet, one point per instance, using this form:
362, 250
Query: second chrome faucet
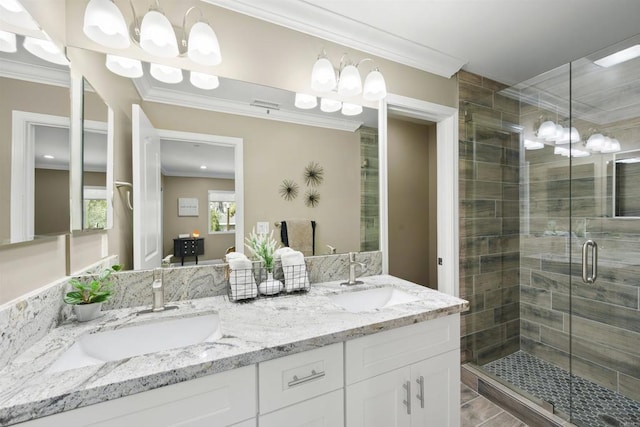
352, 270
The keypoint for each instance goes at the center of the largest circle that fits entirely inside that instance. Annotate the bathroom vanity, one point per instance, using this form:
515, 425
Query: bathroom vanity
382, 353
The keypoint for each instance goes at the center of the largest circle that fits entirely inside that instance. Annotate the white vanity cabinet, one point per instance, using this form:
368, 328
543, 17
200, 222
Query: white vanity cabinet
303, 389
218, 400
405, 377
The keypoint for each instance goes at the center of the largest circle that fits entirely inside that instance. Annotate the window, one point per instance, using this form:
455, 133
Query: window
222, 211
95, 207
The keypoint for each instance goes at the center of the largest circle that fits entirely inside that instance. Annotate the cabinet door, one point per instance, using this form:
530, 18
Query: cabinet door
436, 391
379, 401
322, 411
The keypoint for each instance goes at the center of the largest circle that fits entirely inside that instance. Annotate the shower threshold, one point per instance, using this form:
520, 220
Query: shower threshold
589, 404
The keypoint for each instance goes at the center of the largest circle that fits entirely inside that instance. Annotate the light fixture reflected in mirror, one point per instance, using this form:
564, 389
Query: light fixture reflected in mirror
12, 12
305, 101
165, 73
329, 105
351, 109
125, 67
204, 81
533, 145
7, 42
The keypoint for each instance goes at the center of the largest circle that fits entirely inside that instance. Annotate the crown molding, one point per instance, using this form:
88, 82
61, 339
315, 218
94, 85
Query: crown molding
34, 73
318, 22
191, 100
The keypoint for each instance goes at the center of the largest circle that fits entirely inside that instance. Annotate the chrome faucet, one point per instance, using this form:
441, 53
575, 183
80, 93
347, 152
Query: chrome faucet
157, 287
352, 270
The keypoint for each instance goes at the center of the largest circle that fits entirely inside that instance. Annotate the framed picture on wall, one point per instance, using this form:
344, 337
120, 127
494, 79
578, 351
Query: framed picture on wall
187, 206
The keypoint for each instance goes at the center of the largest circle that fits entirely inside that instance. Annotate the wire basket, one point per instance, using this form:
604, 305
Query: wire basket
241, 284
296, 278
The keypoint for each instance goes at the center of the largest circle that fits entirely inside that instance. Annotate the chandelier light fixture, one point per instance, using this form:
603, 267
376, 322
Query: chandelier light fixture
105, 24
548, 131
7, 42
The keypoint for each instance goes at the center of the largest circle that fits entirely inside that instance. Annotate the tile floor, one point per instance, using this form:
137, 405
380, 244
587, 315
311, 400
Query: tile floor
592, 405
478, 411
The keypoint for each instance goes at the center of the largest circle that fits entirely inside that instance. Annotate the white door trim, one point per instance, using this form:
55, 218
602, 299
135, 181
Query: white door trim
447, 149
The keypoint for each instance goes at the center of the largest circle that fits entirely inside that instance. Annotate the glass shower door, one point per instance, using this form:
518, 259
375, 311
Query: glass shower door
603, 304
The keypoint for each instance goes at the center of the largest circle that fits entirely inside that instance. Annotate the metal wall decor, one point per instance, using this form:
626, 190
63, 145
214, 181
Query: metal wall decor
312, 198
288, 189
313, 174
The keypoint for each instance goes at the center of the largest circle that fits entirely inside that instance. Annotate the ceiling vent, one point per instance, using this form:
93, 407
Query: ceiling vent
265, 104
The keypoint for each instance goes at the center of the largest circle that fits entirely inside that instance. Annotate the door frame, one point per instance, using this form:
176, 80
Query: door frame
446, 119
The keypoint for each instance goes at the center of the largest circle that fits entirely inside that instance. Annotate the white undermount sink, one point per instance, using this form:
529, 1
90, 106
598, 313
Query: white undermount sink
371, 299
129, 341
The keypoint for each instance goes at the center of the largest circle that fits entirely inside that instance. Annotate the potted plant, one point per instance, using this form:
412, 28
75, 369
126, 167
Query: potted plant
89, 293
263, 247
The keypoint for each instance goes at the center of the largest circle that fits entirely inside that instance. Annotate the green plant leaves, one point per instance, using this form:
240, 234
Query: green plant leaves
91, 289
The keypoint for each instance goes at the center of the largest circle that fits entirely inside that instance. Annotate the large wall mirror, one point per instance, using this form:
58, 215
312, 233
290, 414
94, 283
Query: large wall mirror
281, 144
34, 146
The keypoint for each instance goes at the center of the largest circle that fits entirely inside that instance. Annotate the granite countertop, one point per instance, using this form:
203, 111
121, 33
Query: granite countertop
255, 331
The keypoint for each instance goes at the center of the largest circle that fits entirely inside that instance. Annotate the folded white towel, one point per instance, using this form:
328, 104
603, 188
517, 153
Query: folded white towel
295, 271
241, 280
235, 255
281, 251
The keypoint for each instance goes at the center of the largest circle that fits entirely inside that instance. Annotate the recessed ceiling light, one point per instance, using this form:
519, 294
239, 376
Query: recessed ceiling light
48, 156
203, 167
619, 57
631, 160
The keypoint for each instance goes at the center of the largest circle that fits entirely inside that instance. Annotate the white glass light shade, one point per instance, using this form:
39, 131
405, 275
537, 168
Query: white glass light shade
157, 36
565, 136
203, 46
611, 145
375, 88
562, 151
351, 109
125, 67
45, 49
547, 129
105, 24
16, 15
579, 153
305, 101
533, 145
323, 76
204, 81
350, 83
7, 42
329, 105
575, 135
557, 135
165, 73
595, 142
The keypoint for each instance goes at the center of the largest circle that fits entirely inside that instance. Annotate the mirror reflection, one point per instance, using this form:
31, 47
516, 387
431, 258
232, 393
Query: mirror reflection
626, 190
280, 142
34, 149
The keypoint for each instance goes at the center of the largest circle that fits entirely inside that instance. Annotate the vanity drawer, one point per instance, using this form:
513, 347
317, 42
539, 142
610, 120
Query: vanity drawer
298, 377
325, 410
375, 354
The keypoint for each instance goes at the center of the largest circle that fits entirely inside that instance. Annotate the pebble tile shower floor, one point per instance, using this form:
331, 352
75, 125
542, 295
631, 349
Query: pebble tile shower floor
593, 405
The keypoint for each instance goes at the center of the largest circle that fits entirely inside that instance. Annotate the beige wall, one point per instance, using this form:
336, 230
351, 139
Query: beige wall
173, 187
274, 151
412, 211
24, 96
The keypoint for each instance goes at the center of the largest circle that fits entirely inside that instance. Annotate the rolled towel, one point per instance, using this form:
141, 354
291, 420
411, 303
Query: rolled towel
295, 271
241, 280
277, 255
235, 255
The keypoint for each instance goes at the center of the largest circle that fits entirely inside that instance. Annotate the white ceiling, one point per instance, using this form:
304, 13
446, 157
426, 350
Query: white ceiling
507, 40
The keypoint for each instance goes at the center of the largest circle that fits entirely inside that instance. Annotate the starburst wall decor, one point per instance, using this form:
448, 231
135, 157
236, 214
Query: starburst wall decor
288, 189
313, 174
312, 198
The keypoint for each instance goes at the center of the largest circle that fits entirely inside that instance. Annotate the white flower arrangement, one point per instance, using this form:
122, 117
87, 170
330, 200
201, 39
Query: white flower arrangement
262, 246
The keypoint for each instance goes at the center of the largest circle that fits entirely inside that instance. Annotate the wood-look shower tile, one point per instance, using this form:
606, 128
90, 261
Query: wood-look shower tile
498, 262
535, 296
629, 386
478, 227
466, 394
532, 313
605, 334
621, 317
477, 411
477, 208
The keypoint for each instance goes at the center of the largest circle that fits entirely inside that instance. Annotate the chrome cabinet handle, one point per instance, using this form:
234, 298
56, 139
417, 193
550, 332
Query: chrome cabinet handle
313, 376
586, 277
420, 394
407, 401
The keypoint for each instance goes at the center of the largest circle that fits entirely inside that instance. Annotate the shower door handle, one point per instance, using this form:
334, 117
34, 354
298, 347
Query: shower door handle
589, 276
